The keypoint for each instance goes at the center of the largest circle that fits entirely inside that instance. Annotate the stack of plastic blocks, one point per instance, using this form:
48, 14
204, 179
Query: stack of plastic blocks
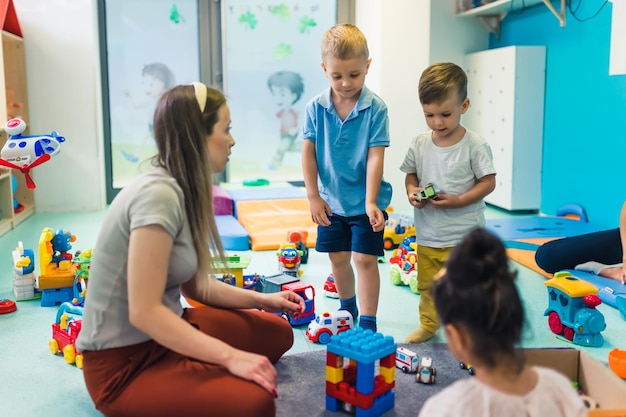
356, 386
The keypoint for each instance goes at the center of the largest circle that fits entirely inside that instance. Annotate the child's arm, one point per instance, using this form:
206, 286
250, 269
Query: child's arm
483, 187
374, 166
320, 210
411, 183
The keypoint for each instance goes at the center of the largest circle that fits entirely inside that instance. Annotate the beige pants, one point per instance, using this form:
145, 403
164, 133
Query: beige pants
429, 262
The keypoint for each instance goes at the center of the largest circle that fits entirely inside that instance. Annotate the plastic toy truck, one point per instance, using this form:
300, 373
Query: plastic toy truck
427, 192
396, 229
328, 324
425, 372
284, 282
406, 360
65, 331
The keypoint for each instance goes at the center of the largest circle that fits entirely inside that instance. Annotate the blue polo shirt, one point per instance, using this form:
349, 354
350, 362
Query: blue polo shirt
341, 149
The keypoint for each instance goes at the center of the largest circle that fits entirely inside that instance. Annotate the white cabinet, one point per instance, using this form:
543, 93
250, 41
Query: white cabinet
506, 92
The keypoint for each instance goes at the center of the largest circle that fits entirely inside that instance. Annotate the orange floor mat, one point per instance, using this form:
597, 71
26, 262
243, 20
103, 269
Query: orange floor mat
526, 257
268, 221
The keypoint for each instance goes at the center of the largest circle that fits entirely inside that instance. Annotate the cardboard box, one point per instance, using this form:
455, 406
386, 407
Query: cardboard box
594, 379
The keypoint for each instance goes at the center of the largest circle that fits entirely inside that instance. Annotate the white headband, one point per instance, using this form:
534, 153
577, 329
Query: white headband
201, 93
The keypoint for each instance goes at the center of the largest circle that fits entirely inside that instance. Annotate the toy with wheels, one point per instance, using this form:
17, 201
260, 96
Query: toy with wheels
328, 324
572, 311
65, 331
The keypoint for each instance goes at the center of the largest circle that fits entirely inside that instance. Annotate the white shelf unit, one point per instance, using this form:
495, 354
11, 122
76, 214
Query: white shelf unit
13, 103
506, 92
491, 14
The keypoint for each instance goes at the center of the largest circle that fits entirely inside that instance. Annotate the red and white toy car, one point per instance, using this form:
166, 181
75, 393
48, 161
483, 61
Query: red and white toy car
330, 289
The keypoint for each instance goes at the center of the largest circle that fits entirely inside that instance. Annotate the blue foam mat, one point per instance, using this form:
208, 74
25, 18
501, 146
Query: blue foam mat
266, 193
608, 289
232, 233
538, 226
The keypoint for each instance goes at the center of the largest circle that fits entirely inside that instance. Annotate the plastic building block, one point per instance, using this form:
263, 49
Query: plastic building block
362, 345
55, 296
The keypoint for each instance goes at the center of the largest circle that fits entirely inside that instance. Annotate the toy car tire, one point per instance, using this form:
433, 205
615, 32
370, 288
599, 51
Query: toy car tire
324, 338
79, 361
69, 354
53, 346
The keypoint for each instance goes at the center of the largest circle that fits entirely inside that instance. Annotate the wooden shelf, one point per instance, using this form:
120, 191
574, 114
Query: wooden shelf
491, 14
13, 103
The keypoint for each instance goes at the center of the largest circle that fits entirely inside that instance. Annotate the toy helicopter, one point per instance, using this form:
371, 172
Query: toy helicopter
23, 153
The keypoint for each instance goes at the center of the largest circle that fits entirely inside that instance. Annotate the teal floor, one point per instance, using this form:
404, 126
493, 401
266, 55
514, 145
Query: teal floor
35, 383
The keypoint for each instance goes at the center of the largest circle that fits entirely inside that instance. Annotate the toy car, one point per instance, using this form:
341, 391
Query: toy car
467, 366
328, 324
406, 360
428, 192
330, 289
425, 372
396, 229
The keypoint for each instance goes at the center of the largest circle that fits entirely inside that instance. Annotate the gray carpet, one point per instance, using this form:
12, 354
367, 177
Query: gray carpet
301, 387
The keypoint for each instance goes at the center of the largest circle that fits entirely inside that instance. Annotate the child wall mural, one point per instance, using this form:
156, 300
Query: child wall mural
152, 45
271, 58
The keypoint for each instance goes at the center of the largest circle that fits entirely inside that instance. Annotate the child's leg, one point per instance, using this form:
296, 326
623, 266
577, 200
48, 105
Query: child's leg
429, 262
336, 240
344, 281
283, 146
369, 288
367, 246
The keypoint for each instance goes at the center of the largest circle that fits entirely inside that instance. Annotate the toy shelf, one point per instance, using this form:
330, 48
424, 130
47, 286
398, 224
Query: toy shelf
13, 103
491, 14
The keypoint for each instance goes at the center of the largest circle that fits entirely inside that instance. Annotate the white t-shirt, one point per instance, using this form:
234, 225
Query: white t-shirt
153, 198
452, 170
553, 396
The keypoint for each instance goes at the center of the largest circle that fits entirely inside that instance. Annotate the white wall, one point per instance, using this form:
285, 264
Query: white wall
404, 37
63, 76
63, 81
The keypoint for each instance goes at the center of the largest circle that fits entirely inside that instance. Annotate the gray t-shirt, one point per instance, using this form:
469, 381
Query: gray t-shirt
452, 170
154, 198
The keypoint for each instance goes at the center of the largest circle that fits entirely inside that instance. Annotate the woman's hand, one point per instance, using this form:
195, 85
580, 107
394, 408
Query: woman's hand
253, 367
283, 302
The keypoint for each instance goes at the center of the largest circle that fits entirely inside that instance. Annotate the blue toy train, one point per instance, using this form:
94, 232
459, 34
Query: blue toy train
572, 310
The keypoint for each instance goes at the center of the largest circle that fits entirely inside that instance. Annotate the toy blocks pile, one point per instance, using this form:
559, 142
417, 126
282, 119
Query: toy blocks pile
356, 387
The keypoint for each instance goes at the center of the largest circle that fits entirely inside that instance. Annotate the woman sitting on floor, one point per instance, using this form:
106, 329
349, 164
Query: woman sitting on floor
601, 253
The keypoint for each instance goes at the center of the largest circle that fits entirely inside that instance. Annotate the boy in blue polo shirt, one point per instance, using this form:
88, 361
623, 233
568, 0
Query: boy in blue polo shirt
346, 131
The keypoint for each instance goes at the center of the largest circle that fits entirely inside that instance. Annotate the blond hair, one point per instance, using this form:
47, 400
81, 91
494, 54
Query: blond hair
439, 81
344, 41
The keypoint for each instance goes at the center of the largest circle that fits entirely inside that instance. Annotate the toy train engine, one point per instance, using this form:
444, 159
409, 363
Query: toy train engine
572, 310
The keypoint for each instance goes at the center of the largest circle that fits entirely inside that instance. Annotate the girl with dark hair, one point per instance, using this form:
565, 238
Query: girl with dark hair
482, 314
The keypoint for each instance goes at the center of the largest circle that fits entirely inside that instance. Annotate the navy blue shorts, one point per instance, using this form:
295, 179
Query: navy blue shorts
350, 234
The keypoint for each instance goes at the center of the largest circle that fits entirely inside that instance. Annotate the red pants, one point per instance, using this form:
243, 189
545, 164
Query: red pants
149, 380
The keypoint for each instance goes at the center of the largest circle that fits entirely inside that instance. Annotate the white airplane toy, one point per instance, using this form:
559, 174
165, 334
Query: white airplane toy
26, 152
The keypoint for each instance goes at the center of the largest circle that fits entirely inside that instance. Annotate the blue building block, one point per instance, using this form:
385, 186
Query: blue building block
55, 296
361, 345
382, 404
365, 377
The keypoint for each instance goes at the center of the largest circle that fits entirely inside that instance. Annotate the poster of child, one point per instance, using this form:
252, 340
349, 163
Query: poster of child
286, 88
156, 79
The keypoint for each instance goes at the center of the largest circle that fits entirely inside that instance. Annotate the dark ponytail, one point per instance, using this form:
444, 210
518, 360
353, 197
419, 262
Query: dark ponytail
477, 292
